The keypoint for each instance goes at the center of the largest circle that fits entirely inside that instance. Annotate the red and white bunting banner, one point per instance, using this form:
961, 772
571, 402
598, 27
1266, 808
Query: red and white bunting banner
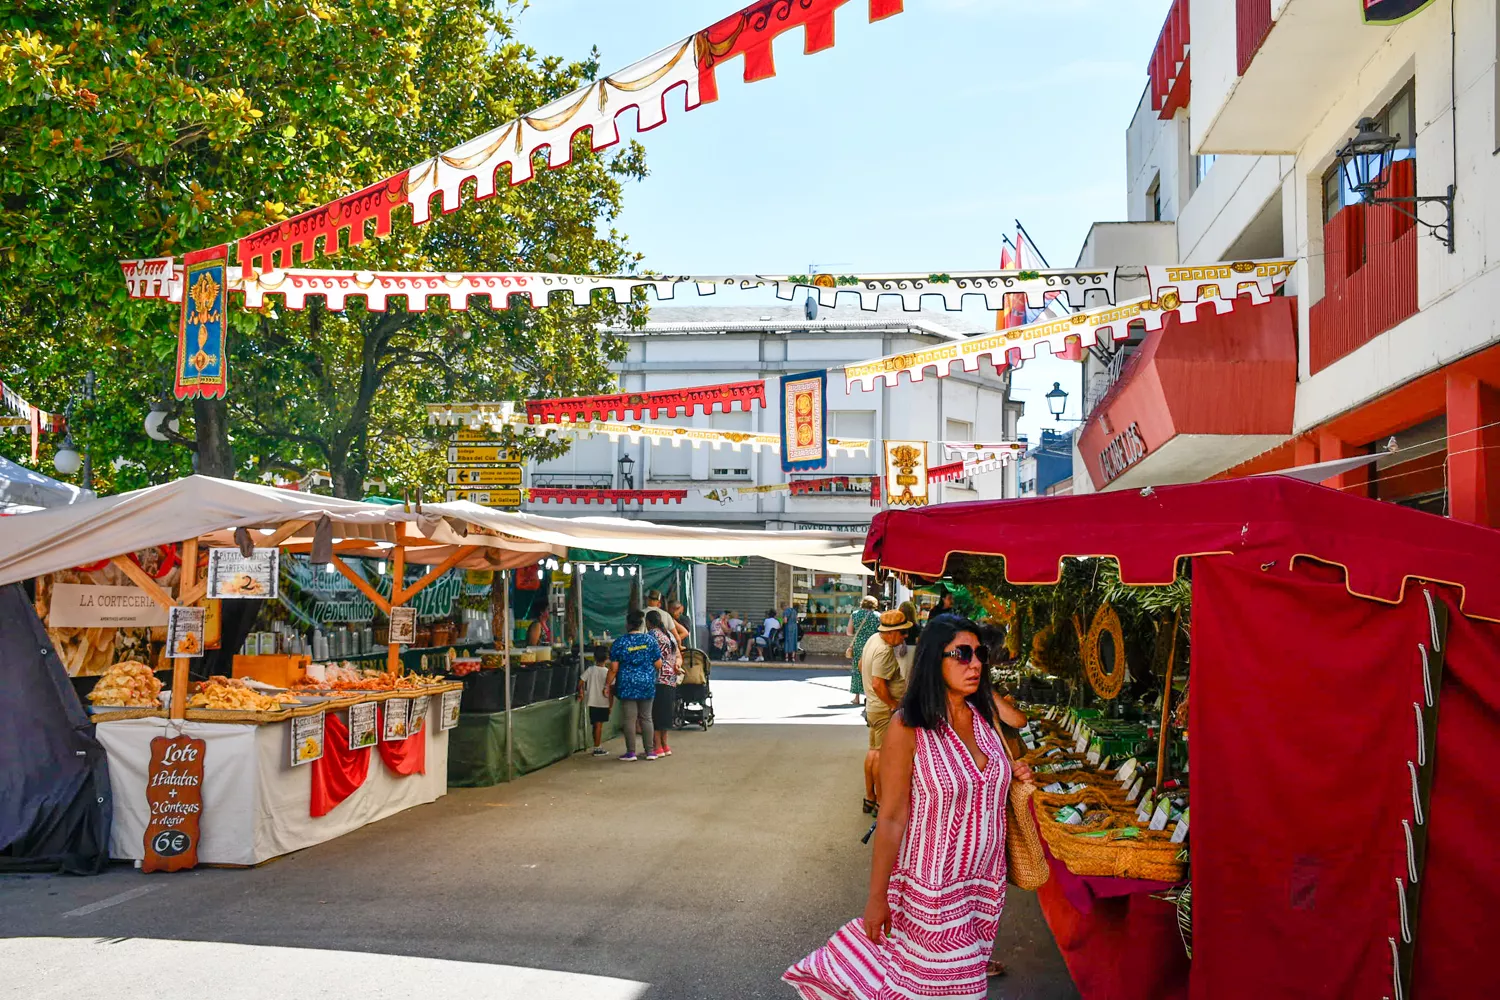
906, 473
504, 154
31, 419
973, 451
945, 473
161, 278
673, 402
539, 494
965, 470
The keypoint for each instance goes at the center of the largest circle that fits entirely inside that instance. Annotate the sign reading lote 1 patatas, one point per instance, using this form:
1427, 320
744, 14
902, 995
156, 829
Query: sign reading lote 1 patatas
174, 797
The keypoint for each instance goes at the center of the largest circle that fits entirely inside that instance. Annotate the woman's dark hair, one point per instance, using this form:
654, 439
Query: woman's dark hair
635, 620
926, 703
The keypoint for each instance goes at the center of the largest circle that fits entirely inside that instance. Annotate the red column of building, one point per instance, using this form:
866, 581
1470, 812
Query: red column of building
1473, 450
1356, 482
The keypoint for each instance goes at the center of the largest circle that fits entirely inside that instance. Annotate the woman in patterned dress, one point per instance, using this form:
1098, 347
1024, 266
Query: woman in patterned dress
937, 882
862, 624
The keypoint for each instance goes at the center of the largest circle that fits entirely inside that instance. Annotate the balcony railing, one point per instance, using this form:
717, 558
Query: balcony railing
1252, 22
573, 480
1369, 273
840, 484
1169, 70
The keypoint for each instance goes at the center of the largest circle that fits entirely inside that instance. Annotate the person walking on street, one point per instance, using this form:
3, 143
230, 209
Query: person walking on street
862, 625
664, 707
635, 664
593, 691
879, 668
937, 876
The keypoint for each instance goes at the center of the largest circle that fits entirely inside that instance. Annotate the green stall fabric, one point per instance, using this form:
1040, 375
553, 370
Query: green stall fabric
546, 732
606, 599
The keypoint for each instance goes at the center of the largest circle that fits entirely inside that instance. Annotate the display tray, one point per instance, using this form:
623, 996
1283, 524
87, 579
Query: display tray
114, 713
236, 715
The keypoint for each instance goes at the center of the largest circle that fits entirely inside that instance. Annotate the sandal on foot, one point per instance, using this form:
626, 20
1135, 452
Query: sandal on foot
994, 969
869, 805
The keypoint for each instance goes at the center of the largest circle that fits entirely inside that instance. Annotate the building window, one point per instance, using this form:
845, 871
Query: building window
1398, 118
825, 600
1153, 197
731, 464
853, 425
1201, 166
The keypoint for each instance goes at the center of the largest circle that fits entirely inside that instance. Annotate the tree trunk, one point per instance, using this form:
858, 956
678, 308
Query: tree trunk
211, 423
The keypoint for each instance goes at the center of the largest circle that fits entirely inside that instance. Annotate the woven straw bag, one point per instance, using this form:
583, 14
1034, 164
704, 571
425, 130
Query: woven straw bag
1025, 864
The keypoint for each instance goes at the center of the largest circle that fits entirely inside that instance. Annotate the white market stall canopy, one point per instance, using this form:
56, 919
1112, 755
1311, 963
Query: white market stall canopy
26, 489
825, 551
203, 507
197, 507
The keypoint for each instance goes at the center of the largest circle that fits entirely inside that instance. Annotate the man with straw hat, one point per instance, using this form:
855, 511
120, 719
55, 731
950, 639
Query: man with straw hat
885, 685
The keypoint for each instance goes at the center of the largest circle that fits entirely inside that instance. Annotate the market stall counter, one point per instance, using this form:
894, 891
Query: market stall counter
257, 803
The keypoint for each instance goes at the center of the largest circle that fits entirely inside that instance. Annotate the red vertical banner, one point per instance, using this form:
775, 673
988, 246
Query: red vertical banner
174, 797
202, 363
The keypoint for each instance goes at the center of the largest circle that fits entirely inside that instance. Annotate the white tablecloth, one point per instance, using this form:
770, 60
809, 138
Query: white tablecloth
255, 804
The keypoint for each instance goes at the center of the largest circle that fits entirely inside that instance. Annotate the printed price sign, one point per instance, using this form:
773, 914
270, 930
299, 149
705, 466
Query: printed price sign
185, 632
403, 626
418, 719
232, 575
396, 719
174, 800
307, 739
362, 725
448, 718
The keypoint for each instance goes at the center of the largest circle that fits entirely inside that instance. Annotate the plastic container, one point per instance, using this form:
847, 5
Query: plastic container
524, 676
543, 689
483, 692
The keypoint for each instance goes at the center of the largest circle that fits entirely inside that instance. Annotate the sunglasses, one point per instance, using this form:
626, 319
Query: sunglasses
966, 654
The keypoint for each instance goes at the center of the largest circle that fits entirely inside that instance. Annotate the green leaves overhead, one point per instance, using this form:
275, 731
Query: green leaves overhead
160, 127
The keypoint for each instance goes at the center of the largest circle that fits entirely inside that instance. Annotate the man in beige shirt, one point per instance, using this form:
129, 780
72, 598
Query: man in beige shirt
885, 685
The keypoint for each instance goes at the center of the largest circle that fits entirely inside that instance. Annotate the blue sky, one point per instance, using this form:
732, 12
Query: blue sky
912, 144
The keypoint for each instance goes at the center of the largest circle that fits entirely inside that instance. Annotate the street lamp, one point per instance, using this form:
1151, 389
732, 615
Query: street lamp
158, 424
1057, 400
1365, 161
627, 472
66, 460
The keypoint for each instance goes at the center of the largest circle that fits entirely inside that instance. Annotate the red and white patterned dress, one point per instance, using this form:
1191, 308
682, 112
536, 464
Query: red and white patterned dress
946, 891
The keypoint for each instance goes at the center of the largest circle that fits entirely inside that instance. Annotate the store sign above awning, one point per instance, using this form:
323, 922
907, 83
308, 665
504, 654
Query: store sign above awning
1196, 400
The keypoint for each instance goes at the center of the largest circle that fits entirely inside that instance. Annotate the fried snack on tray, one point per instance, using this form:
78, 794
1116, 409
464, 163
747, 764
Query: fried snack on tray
233, 694
127, 684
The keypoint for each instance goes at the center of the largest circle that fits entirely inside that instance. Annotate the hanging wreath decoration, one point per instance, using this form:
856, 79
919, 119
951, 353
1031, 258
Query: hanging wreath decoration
1104, 654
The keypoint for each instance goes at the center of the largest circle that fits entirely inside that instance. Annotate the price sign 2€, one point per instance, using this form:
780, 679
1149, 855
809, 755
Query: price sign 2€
174, 799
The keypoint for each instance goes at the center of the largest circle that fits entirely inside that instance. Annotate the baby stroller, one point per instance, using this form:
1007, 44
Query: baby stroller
695, 702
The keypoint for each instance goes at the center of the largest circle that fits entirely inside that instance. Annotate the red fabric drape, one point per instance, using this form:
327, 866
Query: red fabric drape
1124, 948
1302, 725
340, 770
408, 756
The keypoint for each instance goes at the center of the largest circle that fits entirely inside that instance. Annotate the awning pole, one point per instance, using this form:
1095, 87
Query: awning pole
510, 742
583, 714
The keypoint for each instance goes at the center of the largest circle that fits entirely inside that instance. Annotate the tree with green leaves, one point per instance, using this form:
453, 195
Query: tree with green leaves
165, 127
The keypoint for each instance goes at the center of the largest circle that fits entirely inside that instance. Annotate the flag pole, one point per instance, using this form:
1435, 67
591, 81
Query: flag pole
1022, 230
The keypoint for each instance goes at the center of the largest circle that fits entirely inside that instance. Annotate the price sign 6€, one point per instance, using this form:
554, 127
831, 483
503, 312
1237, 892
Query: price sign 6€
174, 800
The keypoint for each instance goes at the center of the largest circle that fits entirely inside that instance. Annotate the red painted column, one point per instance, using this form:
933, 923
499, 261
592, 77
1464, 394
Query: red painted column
1356, 483
1304, 451
1473, 451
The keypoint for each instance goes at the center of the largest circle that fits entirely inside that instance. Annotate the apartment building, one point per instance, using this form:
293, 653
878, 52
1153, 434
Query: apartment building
688, 346
1387, 343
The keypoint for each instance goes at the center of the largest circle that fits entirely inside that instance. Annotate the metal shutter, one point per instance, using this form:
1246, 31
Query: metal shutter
749, 589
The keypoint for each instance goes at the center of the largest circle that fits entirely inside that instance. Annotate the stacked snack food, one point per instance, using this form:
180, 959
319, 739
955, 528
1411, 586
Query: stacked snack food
127, 684
233, 694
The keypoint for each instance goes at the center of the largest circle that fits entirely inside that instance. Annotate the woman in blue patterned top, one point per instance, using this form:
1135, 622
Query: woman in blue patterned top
635, 661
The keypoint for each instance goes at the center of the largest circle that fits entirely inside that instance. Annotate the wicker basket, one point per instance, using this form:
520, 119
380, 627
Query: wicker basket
1150, 854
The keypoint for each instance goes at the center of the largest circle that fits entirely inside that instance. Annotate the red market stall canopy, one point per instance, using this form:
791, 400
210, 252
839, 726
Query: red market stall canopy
1258, 520
1344, 711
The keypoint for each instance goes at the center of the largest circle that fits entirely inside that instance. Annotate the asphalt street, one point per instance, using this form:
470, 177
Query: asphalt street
702, 875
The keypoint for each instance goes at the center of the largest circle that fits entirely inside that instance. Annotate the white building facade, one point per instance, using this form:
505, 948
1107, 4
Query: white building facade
1388, 344
704, 346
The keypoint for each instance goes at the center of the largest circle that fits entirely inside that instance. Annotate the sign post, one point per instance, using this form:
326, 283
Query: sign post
174, 798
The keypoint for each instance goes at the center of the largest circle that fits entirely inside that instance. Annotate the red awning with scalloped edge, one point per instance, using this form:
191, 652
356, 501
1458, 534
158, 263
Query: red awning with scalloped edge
1261, 520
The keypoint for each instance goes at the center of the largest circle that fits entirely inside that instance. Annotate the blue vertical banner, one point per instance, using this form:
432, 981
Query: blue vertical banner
202, 367
804, 421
